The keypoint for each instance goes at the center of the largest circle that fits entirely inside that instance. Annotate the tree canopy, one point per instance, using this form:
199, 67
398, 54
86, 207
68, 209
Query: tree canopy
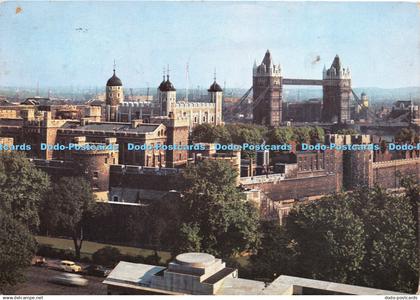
17, 246
407, 135
366, 237
256, 134
67, 206
207, 133
22, 187
217, 218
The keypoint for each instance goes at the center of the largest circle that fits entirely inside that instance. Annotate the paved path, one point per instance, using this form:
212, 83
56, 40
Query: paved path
38, 283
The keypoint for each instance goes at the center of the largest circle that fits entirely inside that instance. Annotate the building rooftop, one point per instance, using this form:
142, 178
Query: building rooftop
132, 275
290, 285
113, 127
203, 274
114, 81
215, 87
167, 86
241, 286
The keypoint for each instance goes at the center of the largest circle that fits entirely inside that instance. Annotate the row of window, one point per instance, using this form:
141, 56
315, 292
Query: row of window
110, 94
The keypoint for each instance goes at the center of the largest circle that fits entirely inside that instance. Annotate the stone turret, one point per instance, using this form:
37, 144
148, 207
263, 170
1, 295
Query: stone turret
337, 91
267, 92
167, 97
216, 97
114, 97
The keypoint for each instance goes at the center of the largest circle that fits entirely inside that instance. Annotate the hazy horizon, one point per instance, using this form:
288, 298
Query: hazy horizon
64, 44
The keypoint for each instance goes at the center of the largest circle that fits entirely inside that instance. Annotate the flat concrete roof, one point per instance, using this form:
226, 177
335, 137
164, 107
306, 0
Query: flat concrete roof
240, 286
289, 285
138, 276
131, 273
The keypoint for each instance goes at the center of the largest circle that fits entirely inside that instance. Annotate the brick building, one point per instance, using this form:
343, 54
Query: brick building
305, 111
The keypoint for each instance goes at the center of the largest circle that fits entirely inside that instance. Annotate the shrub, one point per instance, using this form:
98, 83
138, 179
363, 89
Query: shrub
107, 256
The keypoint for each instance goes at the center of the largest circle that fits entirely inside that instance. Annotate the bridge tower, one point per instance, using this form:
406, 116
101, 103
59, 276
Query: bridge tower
267, 92
337, 90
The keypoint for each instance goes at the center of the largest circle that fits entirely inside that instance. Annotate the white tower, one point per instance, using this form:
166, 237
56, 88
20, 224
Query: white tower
216, 97
167, 97
114, 96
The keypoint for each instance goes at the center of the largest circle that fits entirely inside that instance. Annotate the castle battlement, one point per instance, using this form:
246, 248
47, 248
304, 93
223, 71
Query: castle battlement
396, 162
130, 169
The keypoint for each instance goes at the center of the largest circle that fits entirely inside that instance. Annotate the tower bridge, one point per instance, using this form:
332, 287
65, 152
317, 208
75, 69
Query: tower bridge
267, 94
335, 82
267, 98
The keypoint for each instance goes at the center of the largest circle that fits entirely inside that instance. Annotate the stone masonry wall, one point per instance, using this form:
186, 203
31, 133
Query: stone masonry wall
387, 174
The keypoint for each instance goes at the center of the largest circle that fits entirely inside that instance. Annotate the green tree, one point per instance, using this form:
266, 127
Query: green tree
22, 188
328, 240
316, 135
207, 133
406, 135
280, 135
391, 260
17, 247
107, 256
67, 207
212, 203
246, 133
275, 253
302, 135
350, 131
412, 192
189, 238
366, 237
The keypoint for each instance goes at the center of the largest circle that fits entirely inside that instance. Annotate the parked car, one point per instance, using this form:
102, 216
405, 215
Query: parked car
70, 266
38, 261
70, 279
96, 270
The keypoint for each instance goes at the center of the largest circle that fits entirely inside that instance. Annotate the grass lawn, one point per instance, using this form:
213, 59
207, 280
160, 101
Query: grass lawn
88, 248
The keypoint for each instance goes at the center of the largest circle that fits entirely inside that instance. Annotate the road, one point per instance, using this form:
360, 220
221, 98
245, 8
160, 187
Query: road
37, 283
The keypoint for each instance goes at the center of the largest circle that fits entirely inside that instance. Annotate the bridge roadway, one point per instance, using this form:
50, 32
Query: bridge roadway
291, 81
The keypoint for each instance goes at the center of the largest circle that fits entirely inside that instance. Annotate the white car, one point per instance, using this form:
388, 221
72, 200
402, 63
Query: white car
70, 279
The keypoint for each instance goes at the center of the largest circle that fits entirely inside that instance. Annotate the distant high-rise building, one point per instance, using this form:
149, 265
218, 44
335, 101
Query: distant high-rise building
267, 92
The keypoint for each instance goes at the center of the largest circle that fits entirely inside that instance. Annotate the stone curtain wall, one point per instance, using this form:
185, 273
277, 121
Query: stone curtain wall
298, 188
387, 174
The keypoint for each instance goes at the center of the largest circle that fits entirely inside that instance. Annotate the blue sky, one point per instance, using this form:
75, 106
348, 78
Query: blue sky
379, 41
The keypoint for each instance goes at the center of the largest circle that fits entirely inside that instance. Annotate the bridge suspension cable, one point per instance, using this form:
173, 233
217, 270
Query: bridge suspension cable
242, 99
238, 106
260, 97
360, 103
